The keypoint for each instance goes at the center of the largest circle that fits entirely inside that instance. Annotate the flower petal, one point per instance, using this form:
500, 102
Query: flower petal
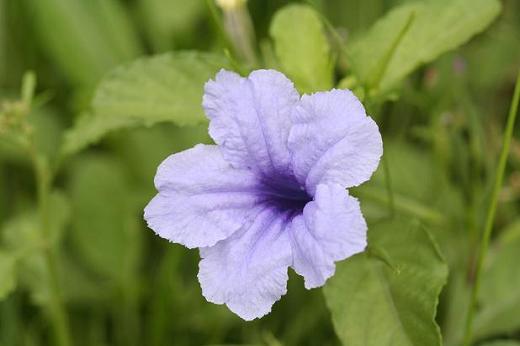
333, 141
248, 271
201, 199
330, 229
250, 118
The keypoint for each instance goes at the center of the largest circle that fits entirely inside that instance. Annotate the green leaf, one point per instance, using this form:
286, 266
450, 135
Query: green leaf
388, 295
143, 149
163, 88
302, 47
105, 219
387, 53
7, 273
499, 300
84, 38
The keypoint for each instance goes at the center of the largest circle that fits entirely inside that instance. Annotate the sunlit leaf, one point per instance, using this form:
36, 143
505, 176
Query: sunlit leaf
389, 51
388, 295
163, 88
302, 47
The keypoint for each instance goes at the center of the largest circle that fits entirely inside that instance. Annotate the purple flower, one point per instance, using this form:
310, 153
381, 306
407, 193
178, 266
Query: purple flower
271, 194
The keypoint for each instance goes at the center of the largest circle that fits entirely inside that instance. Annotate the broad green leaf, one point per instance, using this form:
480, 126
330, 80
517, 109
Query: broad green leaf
388, 295
302, 47
163, 88
165, 19
499, 300
414, 34
143, 149
84, 38
7, 273
105, 220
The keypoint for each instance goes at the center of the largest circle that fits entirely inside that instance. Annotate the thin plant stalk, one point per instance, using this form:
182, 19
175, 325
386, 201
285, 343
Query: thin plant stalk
217, 21
238, 26
44, 177
56, 308
490, 217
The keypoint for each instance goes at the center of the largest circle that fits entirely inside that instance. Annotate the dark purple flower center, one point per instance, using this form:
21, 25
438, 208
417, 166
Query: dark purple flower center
284, 193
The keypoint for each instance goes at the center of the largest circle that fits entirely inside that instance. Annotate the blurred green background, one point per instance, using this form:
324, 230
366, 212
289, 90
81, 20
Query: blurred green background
123, 285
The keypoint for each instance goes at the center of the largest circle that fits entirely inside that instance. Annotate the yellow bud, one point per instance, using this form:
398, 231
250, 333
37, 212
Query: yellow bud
228, 5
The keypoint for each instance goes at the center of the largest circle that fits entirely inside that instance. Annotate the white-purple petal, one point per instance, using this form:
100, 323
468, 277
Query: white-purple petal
201, 199
330, 229
333, 141
248, 271
250, 118
272, 194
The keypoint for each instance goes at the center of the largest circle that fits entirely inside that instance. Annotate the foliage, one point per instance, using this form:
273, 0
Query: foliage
413, 34
142, 94
392, 288
119, 87
303, 51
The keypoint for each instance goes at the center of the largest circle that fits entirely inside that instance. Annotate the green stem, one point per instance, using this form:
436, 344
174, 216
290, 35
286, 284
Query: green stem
161, 306
56, 307
44, 177
386, 171
490, 217
217, 20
